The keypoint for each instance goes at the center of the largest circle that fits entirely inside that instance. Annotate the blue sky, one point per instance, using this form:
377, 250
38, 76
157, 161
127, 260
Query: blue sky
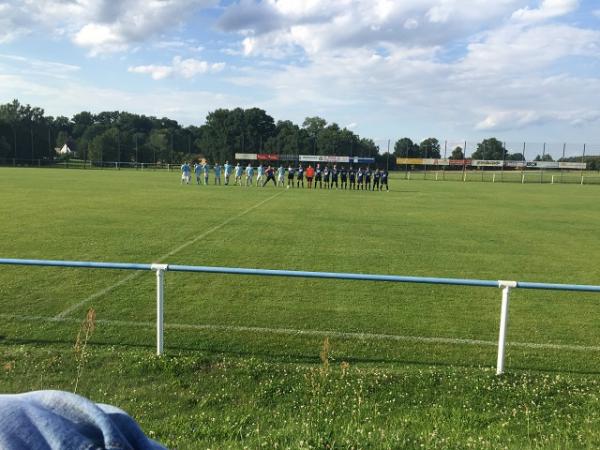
521, 70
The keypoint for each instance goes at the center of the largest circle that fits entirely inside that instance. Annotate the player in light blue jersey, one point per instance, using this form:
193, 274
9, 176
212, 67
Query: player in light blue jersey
281, 176
197, 171
217, 168
249, 175
205, 169
260, 175
238, 174
185, 173
227, 169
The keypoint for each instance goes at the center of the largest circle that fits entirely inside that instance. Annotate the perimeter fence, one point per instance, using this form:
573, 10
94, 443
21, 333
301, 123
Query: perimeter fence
89, 165
504, 162
161, 269
446, 160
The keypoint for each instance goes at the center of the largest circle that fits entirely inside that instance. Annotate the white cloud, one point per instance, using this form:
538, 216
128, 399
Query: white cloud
157, 72
101, 26
548, 9
186, 68
513, 49
500, 120
476, 65
287, 25
12, 23
100, 39
502, 82
411, 24
189, 45
46, 67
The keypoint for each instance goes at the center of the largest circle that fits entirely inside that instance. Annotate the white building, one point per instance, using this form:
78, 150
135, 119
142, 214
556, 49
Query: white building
65, 150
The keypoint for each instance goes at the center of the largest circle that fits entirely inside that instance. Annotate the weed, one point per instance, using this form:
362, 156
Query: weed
324, 354
81, 343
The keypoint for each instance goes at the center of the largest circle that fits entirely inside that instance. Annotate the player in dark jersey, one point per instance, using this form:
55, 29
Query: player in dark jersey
368, 178
352, 175
318, 176
290, 177
334, 177
326, 176
270, 176
376, 178
344, 177
300, 176
384, 181
360, 178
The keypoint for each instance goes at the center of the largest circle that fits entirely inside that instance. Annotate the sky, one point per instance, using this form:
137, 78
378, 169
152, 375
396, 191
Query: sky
520, 70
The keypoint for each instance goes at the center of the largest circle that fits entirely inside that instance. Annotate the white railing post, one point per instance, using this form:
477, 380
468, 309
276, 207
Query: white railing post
506, 286
160, 300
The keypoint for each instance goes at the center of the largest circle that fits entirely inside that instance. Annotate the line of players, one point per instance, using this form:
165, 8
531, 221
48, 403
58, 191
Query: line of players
321, 177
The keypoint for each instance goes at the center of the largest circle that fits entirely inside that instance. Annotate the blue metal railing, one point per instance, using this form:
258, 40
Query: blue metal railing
160, 270
300, 274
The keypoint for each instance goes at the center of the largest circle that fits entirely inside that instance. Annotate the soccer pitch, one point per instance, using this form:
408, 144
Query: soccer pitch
544, 233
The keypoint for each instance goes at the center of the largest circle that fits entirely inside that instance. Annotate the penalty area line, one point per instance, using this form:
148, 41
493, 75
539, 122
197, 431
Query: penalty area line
313, 333
134, 275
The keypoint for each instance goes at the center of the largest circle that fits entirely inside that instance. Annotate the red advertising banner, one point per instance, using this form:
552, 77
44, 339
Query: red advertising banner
460, 162
268, 157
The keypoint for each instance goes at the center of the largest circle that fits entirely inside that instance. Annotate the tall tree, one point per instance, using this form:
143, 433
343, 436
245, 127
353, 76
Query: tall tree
430, 148
457, 153
490, 148
314, 126
406, 148
104, 146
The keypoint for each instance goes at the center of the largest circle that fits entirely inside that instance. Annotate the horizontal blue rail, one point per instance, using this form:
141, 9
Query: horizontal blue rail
299, 274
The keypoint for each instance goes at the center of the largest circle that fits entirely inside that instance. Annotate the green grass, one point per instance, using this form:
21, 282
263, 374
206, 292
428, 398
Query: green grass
231, 380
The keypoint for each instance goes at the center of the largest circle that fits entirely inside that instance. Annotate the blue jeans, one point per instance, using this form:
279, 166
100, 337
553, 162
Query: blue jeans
61, 420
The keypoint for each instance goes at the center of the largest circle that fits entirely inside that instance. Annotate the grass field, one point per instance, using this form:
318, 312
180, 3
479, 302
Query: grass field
245, 364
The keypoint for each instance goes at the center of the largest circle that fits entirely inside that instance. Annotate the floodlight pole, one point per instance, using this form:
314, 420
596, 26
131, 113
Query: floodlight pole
582, 162
505, 286
160, 300
387, 163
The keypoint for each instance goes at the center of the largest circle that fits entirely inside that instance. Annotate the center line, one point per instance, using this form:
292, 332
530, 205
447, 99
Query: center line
130, 277
317, 333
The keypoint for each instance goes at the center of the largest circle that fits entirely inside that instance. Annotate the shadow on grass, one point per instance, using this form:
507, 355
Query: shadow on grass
292, 358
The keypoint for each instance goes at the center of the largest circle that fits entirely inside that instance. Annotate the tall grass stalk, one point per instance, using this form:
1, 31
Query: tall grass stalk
81, 343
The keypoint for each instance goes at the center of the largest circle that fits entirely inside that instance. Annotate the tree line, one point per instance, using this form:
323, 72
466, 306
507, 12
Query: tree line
26, 133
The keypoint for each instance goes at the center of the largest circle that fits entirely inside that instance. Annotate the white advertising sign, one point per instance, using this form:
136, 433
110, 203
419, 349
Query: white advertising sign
251, 156
324, 158
571, 165
487, 163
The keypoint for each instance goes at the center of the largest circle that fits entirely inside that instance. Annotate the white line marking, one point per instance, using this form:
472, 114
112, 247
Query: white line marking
129, 277
320, 333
